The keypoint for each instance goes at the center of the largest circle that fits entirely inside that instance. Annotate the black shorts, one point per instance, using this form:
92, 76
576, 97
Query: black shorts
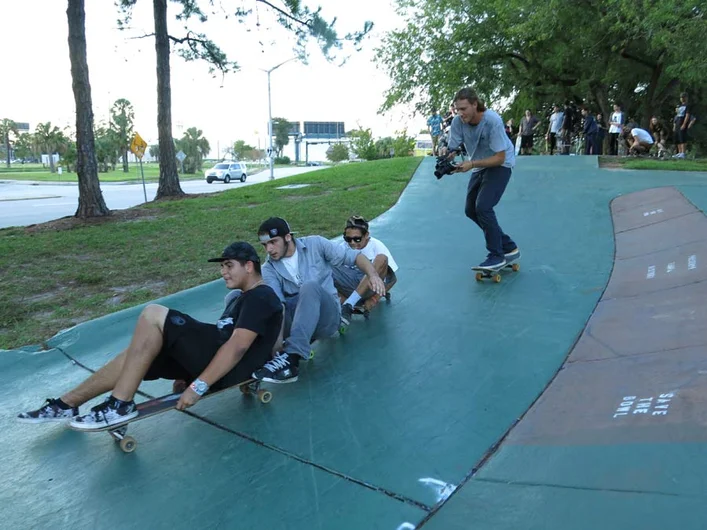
187, 349
680, 136
526, 142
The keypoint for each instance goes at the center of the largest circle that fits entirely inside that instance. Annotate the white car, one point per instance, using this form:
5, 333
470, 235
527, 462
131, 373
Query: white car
227, 171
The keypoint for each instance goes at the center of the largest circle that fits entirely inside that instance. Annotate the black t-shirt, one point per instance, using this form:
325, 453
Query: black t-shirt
258, 310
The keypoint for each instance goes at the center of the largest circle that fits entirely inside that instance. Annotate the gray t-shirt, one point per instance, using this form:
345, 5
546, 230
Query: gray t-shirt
483, 140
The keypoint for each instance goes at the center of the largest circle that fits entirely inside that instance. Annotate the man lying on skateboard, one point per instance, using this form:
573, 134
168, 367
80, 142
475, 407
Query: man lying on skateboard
350, 281
169, 344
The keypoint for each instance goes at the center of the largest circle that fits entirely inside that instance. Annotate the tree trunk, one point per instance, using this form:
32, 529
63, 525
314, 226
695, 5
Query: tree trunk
169, 180
7, 147
125, 162
52, 168
650, 104
91, 203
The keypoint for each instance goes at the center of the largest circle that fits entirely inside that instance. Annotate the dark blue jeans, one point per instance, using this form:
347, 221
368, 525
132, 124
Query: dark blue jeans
485, 189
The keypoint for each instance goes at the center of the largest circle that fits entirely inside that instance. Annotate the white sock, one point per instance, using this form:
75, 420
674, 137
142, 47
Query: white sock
353, 299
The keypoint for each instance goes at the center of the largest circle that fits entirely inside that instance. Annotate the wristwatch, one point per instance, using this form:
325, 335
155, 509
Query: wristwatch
199, 386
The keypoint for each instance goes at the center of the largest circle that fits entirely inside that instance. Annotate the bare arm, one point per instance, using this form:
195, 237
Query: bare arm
226, 358
369, 270
495, 160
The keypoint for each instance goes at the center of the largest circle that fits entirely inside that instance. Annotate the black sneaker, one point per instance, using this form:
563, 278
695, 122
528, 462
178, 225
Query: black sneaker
513, 254
50, 411
282, 369
111, 412
346, 316
493, 262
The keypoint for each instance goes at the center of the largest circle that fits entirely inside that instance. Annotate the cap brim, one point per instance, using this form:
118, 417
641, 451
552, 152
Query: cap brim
215, 260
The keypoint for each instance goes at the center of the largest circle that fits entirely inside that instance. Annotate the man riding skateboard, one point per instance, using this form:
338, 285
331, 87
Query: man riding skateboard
491, 160
300, 272
169, 344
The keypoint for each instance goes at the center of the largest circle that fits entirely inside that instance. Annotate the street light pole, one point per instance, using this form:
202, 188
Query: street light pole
272, 169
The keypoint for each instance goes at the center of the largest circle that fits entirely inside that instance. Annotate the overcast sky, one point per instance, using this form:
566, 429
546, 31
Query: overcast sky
36, 85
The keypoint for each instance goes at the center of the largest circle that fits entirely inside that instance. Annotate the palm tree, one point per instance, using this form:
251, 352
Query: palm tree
7, 127
49, 138
122, 116
196, 147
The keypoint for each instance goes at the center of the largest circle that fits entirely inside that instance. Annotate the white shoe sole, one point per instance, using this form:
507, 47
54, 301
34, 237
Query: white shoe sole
280, 381
97, 425
45, 420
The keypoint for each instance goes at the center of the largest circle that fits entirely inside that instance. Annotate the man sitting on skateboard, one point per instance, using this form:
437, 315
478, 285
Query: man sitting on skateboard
169, 344
350, 282
300, 272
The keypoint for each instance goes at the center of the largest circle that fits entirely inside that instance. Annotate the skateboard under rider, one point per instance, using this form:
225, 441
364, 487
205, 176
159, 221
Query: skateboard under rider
165, 403
495, 272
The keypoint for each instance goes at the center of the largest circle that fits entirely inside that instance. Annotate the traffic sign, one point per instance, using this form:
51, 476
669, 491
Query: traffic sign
138, 146
181, 156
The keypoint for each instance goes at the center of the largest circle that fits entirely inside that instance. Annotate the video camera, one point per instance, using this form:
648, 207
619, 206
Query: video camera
444, 165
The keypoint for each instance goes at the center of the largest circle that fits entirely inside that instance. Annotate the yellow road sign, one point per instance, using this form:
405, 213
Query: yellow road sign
138, 146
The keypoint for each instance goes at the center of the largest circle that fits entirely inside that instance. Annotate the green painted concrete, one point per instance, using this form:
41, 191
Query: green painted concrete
383, 417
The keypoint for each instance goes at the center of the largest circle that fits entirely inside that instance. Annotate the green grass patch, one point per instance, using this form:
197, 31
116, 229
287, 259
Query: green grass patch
56, 275
655, 164
36, 172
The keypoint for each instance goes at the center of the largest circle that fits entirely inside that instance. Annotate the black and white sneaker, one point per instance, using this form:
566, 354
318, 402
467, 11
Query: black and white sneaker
111, 412
282, 369
346, 317
53, 410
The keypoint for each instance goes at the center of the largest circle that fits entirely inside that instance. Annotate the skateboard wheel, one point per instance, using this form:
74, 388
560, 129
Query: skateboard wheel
366, 314
497, 278
264, 396
479, 276
311, 354
387, 297
128, 444
245, 390
515, 267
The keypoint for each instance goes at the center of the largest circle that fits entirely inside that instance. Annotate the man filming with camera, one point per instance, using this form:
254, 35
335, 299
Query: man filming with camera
491, 158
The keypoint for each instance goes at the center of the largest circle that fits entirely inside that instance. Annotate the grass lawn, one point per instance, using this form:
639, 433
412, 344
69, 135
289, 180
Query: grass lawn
152, 173
653, 163
58, 274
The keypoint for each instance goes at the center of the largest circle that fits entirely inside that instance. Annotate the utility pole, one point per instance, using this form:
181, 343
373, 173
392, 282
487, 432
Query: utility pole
270, 151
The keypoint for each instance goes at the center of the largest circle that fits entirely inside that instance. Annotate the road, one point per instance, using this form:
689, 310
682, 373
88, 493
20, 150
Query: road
25, 203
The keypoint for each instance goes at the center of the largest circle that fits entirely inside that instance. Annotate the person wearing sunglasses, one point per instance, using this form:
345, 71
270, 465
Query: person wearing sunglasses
300, 272
351, 283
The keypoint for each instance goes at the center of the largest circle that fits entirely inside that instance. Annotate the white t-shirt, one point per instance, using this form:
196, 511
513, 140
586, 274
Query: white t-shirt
375, 247
292, 266
556, 122
617, 117
643, 136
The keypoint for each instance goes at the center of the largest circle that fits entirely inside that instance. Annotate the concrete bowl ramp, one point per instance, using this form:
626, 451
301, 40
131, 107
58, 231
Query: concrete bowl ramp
617, 439
566, 397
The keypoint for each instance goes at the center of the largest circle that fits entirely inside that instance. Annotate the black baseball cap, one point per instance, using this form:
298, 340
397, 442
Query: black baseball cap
272, 228
356, 221
240, 250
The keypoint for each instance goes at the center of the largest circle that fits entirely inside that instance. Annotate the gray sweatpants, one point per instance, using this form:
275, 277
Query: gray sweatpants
312, 314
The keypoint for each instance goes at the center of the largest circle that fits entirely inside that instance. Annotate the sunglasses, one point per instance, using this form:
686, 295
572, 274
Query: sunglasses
354, 239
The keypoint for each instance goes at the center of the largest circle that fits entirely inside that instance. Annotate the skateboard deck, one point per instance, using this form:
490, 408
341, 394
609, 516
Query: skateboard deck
165, 403
495, 272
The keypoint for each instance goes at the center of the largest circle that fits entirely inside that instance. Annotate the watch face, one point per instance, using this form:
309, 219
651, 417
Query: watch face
200, 387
